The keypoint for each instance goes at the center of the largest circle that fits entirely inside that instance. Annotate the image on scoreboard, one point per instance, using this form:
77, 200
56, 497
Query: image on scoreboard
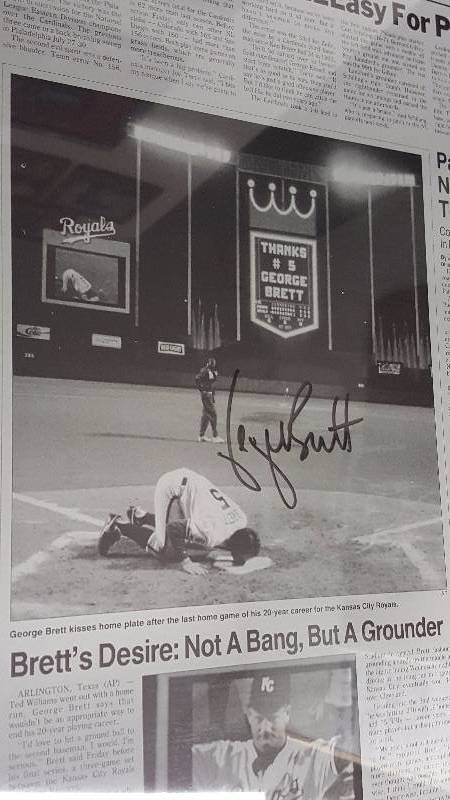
82, 273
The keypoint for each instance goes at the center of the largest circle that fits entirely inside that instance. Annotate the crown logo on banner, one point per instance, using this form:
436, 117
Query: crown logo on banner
289, 219
272, 204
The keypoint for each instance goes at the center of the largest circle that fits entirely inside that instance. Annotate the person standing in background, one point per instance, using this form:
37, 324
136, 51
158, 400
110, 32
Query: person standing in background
204, 382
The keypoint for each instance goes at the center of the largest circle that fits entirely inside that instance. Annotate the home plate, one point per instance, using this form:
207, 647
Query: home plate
252, 565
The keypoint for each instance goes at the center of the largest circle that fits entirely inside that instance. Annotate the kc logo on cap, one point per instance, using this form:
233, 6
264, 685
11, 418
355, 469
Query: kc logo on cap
267, 684
270, 691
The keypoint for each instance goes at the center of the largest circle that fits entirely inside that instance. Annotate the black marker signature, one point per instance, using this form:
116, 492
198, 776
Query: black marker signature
340, 438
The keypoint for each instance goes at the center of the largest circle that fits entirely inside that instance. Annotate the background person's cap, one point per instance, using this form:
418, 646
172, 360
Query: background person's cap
270, 691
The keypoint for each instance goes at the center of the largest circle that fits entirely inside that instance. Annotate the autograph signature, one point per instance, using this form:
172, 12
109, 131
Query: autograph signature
340, 437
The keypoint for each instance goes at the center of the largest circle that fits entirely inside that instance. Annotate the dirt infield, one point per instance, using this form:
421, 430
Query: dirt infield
334, 544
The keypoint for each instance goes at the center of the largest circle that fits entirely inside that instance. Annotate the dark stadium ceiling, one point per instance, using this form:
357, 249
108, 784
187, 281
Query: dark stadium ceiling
65, 139
41, 179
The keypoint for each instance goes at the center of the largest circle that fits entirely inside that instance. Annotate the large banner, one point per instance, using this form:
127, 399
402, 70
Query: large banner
283, 285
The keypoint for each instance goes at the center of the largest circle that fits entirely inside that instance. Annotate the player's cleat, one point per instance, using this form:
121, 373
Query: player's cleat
153, 553
217, 440
110, 535
203, 439
136, 515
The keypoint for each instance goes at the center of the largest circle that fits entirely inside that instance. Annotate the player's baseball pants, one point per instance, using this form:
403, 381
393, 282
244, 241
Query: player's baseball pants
209, 414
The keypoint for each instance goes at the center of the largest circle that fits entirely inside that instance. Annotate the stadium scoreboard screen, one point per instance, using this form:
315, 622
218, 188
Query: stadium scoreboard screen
90, 271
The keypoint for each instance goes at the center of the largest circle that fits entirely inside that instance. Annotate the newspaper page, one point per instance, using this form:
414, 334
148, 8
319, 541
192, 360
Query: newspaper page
225, 397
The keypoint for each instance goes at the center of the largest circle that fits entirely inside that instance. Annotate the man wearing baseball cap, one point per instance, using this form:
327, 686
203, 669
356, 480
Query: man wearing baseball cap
271, 761
268, 715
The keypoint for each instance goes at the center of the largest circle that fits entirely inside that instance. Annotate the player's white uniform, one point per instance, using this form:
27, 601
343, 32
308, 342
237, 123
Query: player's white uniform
79, 283
212, 516
300, 771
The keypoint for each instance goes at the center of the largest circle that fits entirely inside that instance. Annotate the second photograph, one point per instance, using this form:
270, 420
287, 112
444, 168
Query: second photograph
290, 732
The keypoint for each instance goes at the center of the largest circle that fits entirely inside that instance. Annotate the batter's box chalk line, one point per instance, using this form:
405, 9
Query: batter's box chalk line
382, 537
67, 541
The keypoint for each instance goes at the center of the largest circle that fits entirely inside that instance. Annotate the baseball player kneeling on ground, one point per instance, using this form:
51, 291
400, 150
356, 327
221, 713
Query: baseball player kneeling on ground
210, 520
272, 762
76, 286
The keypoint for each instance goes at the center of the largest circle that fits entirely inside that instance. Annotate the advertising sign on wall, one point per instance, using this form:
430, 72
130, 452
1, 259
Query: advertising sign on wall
389, 367
104, 340
171, 348
33, 332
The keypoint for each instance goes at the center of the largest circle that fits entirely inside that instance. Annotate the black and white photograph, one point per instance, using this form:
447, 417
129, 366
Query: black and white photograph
222, 383
288, 731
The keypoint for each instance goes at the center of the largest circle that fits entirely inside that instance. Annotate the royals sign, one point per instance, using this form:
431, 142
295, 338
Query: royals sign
86, 231
283, 284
